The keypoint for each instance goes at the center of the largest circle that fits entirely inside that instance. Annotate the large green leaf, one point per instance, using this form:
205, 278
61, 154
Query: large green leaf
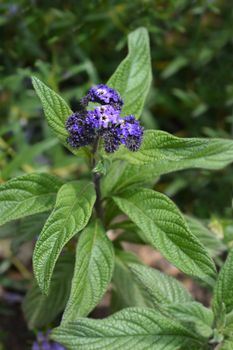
223, 291
132, 78
163, 226
93, 272
27, 195
161, 289
133, 328
39, 309
168, 153
72, 212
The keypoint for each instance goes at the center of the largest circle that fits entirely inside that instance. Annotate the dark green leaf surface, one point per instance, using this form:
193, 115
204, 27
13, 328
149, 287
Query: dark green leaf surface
93, 272
169, 153
72, 212
132, 79
163, 226
27, 195
133, 328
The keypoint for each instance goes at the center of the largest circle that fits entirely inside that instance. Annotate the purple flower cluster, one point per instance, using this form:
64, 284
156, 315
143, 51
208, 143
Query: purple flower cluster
104, 121
43, 343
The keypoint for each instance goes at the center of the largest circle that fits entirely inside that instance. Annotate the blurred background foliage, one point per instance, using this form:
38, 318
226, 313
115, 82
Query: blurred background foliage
71, 45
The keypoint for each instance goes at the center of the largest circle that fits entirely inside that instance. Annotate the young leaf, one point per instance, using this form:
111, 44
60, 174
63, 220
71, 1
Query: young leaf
223, 292
27, 195
132, 328
132, 79
55, 108
195, 313
161, 289
163, 226
72, 212
169, 153
93, 272
39, 309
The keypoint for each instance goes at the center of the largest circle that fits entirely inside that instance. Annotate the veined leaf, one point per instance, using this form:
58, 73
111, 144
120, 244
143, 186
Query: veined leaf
128, 291
223, 291
122, 175
195, 313
93, 272
55, 108
133, 328
72, 212
169, 153
39, 309
163, 226
132, 79
27, 195
161, 289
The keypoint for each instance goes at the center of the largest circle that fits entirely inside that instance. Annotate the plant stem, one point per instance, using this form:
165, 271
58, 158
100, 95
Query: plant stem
96, 180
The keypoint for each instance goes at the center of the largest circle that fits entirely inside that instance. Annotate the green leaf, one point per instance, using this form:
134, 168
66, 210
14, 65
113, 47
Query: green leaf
161, 289
163, 226
212, 243
39, 309
93, 272
133, 328
227, 344
128, 291
27, 195
132, 79
223, 291
195, 313
55, 108
72, 212
122, 175
169, 153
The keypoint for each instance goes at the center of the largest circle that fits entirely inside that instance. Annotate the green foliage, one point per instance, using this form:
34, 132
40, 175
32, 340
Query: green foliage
132, 79
92, 273
55, 108
169, 153
223, 294
163, 226
27, 195
71, 213
132, 328
161, 289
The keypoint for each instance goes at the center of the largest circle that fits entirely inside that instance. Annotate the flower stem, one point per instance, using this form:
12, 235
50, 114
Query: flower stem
96, 180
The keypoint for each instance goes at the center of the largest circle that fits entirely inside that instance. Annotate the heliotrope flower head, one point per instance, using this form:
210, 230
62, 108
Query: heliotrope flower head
103, 94
80, 132
103, 121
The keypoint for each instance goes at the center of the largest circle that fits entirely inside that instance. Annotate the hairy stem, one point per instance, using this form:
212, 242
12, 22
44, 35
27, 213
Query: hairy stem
96, 180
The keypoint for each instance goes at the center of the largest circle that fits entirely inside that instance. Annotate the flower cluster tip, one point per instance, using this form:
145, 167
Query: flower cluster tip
104, 121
